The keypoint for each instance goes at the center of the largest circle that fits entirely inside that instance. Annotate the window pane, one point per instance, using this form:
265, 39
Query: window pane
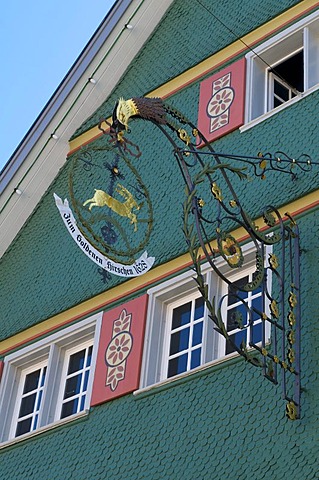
43, 376
76, 362
76, 382
199, 308
197, 334
236, 316
281, 91
86, 379
179, 341
69, 408
234, 295
39, 400
237, 339
82, 403
27, 405
291, 70
257, 304
35, 423
89, 357
24, 426
73, 386
177, 365
181, 315
257, 332
31, 381
195, 359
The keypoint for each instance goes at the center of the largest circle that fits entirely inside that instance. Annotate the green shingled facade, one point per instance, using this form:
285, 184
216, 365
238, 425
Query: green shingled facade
176, 44
222, 422
34, 277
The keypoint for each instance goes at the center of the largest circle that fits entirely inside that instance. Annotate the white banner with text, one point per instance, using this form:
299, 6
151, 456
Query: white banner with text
139, 267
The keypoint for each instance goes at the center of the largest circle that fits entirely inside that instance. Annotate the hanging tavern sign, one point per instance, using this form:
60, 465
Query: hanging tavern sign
110, 214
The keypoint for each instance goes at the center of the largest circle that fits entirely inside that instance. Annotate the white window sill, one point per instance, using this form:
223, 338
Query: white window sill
45, 428
183, 376
269, 114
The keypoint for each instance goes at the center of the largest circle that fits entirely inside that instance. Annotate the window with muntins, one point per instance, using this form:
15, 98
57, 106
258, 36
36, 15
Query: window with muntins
181, 337
185, 336
240, 306
49, 380
74, 382
283, 69
32, 386
286, 80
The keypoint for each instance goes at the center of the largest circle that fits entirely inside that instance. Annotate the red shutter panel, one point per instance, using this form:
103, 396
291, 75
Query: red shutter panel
222, 101
120, 351
1, 368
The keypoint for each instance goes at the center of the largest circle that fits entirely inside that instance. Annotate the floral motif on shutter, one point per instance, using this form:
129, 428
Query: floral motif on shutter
120, 350
221, 101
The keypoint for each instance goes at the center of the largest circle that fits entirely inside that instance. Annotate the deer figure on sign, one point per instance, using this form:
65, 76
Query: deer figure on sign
124, 209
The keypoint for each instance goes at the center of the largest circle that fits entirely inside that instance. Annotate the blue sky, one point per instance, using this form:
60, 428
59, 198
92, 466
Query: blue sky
40, 40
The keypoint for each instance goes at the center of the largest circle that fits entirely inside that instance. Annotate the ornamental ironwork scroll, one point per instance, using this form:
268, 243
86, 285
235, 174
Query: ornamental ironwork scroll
211, 210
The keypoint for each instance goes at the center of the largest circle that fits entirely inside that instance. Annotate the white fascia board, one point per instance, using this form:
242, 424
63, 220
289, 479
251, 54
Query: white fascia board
38, 159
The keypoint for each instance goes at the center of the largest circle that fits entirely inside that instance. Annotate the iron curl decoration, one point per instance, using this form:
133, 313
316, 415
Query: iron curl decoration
211, 211
124, 192
268, 162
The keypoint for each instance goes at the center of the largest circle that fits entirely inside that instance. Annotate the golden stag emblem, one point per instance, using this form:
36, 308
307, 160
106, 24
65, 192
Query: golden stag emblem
101, 199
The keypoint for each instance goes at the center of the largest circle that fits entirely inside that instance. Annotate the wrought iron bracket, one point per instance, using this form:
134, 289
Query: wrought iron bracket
212, 209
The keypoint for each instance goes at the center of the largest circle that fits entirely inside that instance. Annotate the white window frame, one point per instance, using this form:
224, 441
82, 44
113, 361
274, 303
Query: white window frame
233, 276
302, 35
163, 298
167, 335
64, 376
54, 351
16, 410
160, 299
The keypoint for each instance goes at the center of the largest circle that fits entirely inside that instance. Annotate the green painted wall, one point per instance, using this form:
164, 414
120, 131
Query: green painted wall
224, 422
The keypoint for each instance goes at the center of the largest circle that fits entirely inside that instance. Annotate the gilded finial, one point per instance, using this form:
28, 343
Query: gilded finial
125, 109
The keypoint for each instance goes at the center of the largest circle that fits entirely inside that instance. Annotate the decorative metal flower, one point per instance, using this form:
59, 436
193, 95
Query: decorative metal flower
216, 191
274, 309
284, 365
114, 169
231, 251
291, 318
291, 410
292, 300
291, 337
273, 261
291, 355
